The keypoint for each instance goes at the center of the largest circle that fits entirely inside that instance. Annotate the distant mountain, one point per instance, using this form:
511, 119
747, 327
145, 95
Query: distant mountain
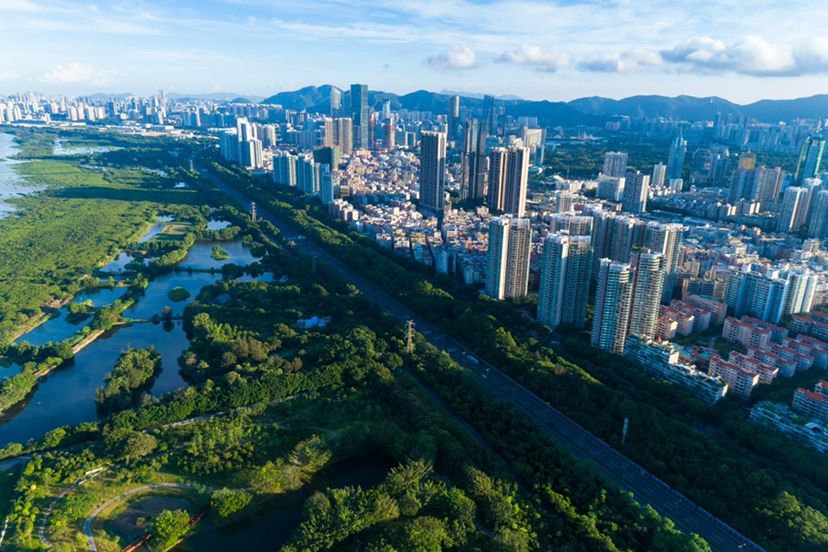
232, 97
311, 98
582, 111
813, 107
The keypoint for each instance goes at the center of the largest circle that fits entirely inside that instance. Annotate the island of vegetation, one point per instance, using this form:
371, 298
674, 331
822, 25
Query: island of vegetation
178, 294
219, 253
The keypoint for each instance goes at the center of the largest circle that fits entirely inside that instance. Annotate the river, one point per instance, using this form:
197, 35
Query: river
67, 395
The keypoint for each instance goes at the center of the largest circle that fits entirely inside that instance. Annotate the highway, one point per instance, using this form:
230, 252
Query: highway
583, 445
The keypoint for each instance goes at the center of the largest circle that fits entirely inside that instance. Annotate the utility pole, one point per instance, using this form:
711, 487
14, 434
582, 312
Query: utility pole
409, 337
253, 211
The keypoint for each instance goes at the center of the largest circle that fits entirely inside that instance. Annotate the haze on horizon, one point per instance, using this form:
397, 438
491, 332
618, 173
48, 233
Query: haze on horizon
558, 50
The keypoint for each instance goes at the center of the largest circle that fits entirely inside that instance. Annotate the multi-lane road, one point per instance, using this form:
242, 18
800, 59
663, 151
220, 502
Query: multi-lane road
583, 445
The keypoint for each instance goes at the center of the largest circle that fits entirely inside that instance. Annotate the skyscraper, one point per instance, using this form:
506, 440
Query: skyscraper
612, 306
564, 281
810, 158
432, 171
336, 101
507, 267
454, 118
615, 163
517, 181
360, 115
509, 179
793, 203
498, 160
649, 280
474, 162
675, 161
490, 114
636, 190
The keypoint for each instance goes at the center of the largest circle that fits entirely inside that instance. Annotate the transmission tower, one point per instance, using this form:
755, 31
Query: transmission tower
409, 337
253, 211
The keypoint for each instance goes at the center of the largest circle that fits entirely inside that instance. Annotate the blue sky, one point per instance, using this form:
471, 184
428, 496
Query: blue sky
742, 50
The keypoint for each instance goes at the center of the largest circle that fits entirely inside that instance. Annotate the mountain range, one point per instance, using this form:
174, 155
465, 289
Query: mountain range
582, 111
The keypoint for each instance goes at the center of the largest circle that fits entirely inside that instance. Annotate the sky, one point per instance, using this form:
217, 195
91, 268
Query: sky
742, 50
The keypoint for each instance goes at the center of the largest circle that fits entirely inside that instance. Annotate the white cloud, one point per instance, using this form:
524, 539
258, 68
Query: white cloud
76, 73
751, 55
18, 6
534, 56
619, 63
457, 57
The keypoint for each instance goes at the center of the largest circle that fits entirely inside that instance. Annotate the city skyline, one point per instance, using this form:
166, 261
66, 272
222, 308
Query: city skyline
534, 50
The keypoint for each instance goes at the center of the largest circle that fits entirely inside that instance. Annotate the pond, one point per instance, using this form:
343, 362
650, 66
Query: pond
217, 224
201, 255
61, 326
11, 183
67, 396
271, 526
118, 264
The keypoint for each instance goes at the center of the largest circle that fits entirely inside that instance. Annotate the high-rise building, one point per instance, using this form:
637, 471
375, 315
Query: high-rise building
621, 233
636, 190
665, 239
327, 155
810, 158
432, 171
389, 134
818, 223
454, 118
284, 168
610, 187
361, 115
564, 280
326, 185
768, 184
474, 162
498, 161
490, 114
509, 179
307, 175
612, 306
615, 163
675, 161
517, 181
647, 291
659, 175
336, 101
507, 267
793, 204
